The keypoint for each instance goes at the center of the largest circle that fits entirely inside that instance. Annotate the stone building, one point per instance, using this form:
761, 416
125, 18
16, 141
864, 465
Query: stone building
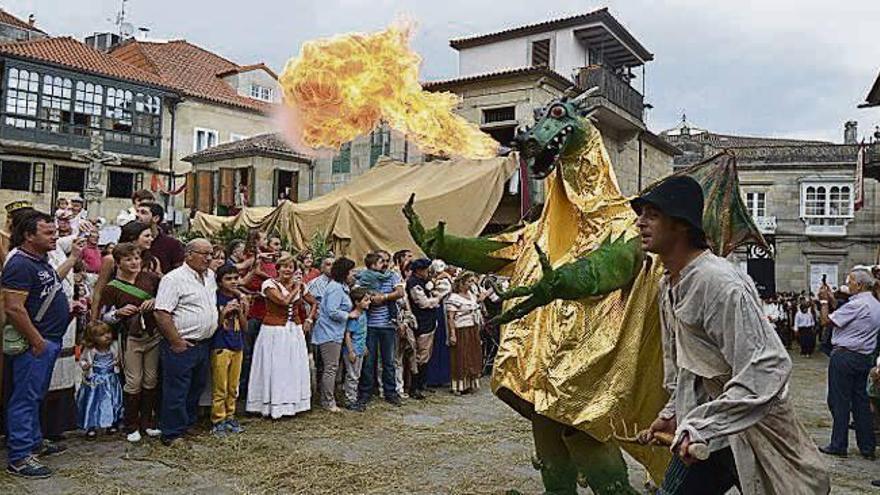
60, 98
276, 169
14, 29
802, 196
504, 76
215, 101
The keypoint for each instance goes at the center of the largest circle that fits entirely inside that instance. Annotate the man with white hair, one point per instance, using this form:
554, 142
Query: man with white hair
186, 313
854, 339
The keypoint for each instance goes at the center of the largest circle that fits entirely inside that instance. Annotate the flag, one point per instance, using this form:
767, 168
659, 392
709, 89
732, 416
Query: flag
861, 157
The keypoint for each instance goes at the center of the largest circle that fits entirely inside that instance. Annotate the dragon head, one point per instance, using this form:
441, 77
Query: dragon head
559, 127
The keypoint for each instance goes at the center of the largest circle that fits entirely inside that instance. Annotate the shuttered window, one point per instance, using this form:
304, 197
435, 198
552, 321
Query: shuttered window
541, 53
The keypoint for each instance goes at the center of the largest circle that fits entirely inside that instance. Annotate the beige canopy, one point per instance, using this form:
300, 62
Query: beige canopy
365, 214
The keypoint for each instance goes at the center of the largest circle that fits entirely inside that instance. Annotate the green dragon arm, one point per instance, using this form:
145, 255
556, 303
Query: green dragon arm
470, 253
614, 264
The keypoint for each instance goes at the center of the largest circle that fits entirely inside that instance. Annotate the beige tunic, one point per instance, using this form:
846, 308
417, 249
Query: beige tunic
727, 373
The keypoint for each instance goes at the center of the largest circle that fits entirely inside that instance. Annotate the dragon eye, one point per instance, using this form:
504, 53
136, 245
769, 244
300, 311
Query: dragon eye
557, 112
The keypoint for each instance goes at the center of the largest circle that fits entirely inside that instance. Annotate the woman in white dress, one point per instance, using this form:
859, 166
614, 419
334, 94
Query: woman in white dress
279, 382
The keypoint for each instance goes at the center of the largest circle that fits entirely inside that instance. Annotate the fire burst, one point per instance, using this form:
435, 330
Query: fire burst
343, 87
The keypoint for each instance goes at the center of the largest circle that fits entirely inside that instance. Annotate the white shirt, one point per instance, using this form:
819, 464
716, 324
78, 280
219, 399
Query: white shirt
802, 320
191, 300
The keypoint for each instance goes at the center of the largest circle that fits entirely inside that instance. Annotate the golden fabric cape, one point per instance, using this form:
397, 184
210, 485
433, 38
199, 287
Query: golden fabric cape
596, 363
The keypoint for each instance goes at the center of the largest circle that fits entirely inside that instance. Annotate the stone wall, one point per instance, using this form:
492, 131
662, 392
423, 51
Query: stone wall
107, 207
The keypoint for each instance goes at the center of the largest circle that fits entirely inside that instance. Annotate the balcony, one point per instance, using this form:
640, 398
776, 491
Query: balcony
766, 225
64, 136
613, 89
826, 226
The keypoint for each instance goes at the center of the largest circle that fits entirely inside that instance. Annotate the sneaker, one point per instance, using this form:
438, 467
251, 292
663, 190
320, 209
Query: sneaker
232, 426
219, 429
112, 430
333, 409
91, 434
417, 395
356, 407
153, 432
394, 401
29, 468
404, 395
134, 437
50, 448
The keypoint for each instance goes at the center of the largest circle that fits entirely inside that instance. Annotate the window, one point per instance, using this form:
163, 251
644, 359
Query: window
342, 160
502, 114
38, 183
541, 53
756, 202
88, 99
55, 106
70, 179
826, 208
261, 92
380, 143
147, 120
120, 184
117, 114
15, 175
21, 98
204, 138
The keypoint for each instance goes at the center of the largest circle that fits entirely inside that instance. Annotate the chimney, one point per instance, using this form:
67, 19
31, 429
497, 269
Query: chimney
32, 19
851, 132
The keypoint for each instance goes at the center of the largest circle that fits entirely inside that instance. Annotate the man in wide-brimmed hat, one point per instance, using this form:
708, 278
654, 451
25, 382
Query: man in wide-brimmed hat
725, 367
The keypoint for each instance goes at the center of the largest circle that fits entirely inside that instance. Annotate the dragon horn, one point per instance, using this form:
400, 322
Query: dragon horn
581, 98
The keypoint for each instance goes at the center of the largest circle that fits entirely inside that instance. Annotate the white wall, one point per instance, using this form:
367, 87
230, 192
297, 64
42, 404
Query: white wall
567, 54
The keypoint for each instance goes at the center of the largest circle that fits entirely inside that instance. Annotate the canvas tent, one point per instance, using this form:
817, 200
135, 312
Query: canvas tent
365, 214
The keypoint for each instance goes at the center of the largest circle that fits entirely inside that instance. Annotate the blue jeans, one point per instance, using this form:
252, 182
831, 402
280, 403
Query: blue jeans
183, 378
250, 338
31, 376
847, 392
379, 340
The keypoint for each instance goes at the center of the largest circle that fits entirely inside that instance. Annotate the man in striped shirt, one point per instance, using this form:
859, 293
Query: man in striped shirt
186, 313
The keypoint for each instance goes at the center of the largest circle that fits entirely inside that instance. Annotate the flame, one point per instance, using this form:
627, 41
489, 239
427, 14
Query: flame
344, 87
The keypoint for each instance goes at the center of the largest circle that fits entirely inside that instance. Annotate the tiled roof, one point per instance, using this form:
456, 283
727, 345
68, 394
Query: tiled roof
189, 69
521, 71
602, 15
802, 153
248, 68
7, 18
73, 54
733, 141
270, 144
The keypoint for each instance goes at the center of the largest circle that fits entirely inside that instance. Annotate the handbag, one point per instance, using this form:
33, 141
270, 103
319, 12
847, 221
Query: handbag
14, 342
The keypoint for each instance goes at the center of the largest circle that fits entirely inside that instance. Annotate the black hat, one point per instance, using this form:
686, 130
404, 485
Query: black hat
678, 196
420, 264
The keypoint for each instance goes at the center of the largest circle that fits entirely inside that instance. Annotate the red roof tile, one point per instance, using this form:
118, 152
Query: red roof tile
70, 53
446, 84
7, 18
189, 69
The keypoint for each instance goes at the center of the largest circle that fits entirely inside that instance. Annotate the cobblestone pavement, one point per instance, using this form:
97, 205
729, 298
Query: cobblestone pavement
446, 444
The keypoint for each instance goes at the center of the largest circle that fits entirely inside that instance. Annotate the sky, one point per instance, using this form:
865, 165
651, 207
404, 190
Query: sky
784, 68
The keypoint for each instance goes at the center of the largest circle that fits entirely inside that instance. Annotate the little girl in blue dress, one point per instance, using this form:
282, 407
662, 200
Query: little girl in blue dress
99, 399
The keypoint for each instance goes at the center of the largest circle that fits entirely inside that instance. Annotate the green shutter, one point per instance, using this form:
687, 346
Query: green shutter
342, 160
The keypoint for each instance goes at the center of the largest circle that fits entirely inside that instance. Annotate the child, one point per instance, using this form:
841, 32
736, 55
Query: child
805, 328
226, 351
356, 346
99, 399
61, 207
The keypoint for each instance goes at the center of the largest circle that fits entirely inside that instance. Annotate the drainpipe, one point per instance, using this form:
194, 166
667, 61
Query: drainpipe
172, 108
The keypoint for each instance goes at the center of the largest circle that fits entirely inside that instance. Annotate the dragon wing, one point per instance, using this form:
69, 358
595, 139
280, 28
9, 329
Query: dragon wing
726, 220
